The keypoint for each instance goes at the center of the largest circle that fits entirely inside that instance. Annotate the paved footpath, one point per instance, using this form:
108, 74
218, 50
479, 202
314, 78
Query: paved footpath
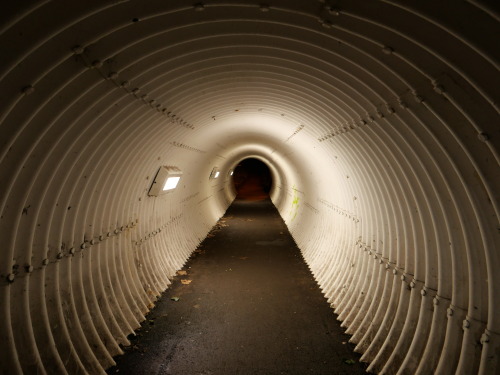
245, 303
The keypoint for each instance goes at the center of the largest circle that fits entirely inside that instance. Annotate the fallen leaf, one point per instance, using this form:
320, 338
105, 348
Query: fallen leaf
350, 361
185, 281
175, 299
180, 273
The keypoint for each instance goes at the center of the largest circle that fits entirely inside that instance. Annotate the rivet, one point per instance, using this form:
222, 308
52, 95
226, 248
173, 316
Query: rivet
485, 338
59, 255
29, 268
381, 261
28, 90
402, 103
72, 251
326, 24
125, 84
387, 50
435, 300
483, 137
94, 242
387, 266
417, 97
113, 75
122, 228
96, 64
449, 311
78, 50
10, 277
45, 261
380, 114
83, 245
439, 89
403, 277
423, 292
116, 231
108, 234
412, 284
390, 109
136, 90
333, 11
152, 101
144, 96
101, 237
466, 324
199, 7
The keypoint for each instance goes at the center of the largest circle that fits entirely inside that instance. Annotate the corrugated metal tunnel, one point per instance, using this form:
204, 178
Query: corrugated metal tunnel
378, 121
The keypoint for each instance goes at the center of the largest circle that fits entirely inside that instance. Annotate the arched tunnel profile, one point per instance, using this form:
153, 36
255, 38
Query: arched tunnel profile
378, 121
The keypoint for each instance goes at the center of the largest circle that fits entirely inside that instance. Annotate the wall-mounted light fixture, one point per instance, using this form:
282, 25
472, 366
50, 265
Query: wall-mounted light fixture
231, 172
165, 181
215, 173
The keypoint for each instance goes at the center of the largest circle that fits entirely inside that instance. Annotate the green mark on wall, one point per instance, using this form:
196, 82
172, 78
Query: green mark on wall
295, 204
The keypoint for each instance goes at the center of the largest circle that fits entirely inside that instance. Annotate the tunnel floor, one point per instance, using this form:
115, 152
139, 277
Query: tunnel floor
244, 303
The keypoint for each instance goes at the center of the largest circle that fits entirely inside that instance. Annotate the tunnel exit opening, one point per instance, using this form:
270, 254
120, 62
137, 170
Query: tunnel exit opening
252, 180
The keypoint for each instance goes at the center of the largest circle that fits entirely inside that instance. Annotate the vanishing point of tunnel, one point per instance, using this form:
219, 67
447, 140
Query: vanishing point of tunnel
128, 128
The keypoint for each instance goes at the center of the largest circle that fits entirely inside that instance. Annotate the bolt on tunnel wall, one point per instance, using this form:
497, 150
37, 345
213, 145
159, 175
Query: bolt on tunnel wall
378, 121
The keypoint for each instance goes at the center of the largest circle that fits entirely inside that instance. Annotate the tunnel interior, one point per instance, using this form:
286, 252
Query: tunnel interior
252, 180
378, 121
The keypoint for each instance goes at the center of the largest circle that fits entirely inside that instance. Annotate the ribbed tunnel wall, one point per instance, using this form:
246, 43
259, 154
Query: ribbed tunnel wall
378, 119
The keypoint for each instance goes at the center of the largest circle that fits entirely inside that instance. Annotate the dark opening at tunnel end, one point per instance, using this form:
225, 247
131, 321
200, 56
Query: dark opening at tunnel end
252, 180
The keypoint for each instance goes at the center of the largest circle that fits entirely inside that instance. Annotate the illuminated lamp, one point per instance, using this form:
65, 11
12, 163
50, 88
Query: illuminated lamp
165, 181
215, 173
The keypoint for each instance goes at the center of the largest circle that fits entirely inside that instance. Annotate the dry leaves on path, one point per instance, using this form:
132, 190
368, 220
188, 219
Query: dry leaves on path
186, 282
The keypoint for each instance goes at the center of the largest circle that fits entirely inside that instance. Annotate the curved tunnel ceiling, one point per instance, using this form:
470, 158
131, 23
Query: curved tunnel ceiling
378, 119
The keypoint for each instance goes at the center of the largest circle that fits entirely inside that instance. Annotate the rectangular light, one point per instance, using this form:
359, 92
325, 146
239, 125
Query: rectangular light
215, 173
171, 183
165, 181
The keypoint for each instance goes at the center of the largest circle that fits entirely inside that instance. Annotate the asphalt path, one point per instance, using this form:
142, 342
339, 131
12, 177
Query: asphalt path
244, 303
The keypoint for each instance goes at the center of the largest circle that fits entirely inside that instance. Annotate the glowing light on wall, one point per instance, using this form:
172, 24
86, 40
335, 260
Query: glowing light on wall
166, 180
215, 173
171, 183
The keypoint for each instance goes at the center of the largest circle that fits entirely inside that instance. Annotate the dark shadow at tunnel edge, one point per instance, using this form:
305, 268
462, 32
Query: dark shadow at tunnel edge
252, 180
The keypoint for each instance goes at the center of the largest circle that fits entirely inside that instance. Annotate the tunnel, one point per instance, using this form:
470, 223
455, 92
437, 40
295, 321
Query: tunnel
377, 120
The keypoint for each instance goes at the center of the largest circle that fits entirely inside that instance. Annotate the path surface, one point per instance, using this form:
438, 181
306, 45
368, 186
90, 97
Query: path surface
251, 307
